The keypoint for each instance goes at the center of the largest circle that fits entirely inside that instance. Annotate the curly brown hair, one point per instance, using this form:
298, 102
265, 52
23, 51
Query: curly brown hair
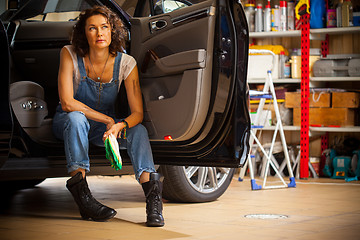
119, 32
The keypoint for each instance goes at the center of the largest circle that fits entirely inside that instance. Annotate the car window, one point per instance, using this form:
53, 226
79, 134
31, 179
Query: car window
166, 6
146, 8
53, 10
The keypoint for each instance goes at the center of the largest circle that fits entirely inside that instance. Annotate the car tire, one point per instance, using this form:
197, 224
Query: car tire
182, 183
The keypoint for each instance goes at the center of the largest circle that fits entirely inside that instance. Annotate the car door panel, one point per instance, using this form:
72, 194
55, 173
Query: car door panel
176, 69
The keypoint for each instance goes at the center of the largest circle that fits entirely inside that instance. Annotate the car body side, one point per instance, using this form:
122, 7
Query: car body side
222, 138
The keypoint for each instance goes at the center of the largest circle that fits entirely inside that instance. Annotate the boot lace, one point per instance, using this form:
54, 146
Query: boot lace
153, 200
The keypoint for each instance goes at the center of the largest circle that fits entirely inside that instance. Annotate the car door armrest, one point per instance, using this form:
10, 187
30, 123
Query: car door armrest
175, 63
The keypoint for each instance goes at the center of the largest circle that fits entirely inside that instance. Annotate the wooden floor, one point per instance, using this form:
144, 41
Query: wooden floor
316, 209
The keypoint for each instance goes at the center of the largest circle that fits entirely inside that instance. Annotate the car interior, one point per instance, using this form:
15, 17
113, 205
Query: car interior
174, 57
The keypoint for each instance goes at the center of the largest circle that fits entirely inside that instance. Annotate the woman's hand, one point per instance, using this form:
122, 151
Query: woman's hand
114, 129
110, 124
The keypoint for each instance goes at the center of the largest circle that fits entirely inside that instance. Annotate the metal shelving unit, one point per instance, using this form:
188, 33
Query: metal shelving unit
312, 34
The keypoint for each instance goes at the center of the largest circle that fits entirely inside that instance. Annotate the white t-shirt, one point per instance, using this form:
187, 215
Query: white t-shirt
127, 64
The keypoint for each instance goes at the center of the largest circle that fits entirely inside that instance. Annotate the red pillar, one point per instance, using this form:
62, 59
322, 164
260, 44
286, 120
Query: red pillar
304, 132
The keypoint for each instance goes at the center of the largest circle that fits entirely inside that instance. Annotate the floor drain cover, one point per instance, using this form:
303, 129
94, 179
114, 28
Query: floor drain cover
266, 216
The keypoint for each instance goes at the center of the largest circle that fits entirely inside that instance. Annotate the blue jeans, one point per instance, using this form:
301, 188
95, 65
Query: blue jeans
77, 131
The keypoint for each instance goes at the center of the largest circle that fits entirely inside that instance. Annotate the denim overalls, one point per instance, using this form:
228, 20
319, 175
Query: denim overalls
76, 130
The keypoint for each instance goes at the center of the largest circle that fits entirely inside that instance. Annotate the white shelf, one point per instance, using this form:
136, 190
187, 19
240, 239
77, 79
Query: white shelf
296, 33
342, 30
316, 129
286, 128
313, 79
282, 80
335, 129
334, 79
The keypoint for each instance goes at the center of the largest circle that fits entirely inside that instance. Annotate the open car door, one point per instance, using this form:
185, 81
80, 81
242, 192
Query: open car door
192, 65
5, 119
174, 54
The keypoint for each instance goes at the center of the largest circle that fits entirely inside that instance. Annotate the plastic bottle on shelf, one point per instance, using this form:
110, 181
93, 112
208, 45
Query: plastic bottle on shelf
347, 14
317, 13
282, 60
287, 69
275, 18
283, 16
259, 18
267, 17
291, 15
250, 16
338, 14
295, 63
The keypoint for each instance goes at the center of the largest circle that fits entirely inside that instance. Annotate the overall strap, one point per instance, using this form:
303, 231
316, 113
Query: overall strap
81, 67
117, 66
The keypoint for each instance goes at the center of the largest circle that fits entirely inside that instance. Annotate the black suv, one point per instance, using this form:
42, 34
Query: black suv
192, 58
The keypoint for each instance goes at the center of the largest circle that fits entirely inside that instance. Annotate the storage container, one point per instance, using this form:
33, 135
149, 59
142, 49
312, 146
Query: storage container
318, 13
354, 67
331, 68
296, 65
317, 99
345, 99
260, 64
327, 116
341, 65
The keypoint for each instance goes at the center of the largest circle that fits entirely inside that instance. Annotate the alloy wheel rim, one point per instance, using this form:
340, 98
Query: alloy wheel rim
206, 179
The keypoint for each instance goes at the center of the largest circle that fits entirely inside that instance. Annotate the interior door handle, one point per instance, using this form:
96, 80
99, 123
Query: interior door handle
157, 25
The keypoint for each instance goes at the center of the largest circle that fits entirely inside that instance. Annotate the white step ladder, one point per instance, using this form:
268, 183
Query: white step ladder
269, 89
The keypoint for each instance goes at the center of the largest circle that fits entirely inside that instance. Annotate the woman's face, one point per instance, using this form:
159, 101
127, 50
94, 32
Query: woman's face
98, 32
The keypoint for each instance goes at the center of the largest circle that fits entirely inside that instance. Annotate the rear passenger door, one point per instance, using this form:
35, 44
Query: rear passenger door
173, 47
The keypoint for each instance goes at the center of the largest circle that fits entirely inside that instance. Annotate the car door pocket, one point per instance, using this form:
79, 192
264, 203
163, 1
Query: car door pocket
27, 102
175, 63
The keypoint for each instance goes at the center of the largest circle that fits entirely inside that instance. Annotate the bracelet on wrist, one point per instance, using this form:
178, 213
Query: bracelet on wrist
124, 130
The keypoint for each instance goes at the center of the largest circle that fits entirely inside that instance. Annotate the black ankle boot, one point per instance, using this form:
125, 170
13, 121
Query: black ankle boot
89, 207
153, 192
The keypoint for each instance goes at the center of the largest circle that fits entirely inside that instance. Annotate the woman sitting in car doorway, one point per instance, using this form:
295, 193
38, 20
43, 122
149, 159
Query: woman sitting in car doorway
90, 74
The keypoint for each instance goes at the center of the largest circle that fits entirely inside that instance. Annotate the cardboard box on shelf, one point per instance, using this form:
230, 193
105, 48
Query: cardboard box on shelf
327, 116
345, 99
293, 99
315, 147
